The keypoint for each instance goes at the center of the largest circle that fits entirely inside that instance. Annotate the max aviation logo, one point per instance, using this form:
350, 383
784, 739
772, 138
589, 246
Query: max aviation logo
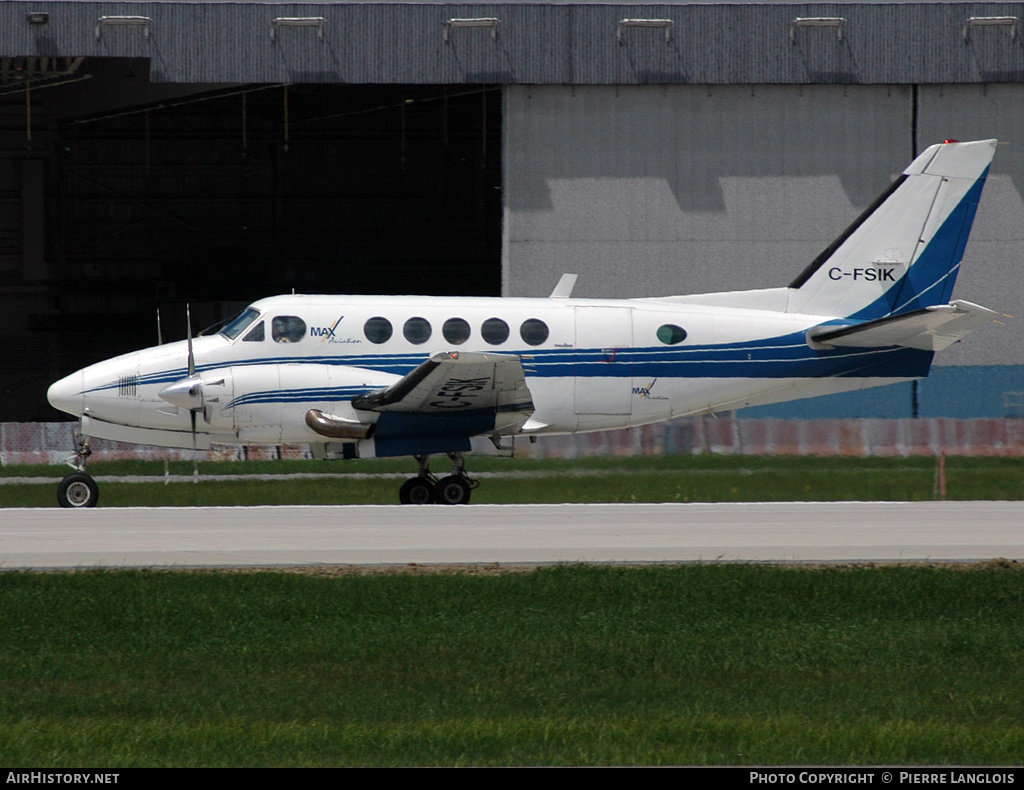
645, 392
326, 333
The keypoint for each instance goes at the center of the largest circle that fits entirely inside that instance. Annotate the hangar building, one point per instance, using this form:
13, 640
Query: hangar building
158, 153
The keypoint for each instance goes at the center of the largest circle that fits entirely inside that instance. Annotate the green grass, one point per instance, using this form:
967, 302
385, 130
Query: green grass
680, 478
719, 664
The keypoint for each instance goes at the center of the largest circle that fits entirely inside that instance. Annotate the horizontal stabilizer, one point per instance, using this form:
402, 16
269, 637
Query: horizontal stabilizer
931, 329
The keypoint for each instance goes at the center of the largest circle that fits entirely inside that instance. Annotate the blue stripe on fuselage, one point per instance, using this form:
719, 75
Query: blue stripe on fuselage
787, 356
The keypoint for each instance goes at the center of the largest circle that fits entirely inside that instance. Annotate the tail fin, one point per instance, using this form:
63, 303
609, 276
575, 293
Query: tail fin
904, 252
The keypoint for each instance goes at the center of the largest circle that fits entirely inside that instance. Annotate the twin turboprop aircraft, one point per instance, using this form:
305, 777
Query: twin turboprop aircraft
376, 376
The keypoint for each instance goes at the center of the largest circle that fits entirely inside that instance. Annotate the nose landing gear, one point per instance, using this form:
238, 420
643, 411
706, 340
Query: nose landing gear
426, 489
78, 489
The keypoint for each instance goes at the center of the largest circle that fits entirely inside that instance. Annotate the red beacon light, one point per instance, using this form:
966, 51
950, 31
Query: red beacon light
947, 142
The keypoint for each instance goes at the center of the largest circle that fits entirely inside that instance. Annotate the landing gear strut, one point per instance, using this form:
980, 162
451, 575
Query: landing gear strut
78, 489
426, 489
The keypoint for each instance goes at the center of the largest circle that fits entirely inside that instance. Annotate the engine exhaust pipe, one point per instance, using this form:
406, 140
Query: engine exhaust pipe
337, 428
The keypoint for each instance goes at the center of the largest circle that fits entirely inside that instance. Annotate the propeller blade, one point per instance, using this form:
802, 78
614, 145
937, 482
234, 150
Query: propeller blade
195, 452
191, 356
191, 392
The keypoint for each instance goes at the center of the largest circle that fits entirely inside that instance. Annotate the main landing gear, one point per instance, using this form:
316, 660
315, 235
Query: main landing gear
426, 489
78, 489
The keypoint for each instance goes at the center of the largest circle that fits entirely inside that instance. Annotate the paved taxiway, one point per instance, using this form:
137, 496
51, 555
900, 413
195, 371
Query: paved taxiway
267, 536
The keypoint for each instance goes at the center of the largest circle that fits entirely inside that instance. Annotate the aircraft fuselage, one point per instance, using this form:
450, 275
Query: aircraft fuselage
589, 365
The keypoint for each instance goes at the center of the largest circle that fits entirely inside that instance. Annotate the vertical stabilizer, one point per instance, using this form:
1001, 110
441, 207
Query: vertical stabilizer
903, 253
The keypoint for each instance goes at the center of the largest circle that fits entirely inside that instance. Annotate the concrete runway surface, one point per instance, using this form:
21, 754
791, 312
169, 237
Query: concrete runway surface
369, 535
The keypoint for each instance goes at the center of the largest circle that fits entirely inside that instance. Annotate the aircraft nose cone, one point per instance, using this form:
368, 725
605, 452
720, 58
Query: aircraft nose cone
66, 394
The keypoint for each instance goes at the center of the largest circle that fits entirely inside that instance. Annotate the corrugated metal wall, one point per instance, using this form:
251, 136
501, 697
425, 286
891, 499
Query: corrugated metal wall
535, 43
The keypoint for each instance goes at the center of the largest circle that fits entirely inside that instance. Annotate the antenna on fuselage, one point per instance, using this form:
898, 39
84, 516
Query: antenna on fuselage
159, 334
564, 288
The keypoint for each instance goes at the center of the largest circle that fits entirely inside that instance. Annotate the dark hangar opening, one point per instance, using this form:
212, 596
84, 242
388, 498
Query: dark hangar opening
153, 195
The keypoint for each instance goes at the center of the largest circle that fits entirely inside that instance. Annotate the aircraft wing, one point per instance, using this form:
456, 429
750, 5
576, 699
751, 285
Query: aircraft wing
449, 398
930, 329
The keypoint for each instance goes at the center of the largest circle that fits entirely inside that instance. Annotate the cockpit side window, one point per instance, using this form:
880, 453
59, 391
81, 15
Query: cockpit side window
255, 334
240, 323
287, 329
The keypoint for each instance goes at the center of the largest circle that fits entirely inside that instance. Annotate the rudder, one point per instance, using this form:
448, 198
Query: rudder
903, 253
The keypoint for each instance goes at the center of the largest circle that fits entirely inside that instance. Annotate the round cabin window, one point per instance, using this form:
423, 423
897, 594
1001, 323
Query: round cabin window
456, 331
378, 330
417, 330
533, 331
494, 331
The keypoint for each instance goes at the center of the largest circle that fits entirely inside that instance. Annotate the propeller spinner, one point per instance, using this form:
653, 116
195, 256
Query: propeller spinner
188, 392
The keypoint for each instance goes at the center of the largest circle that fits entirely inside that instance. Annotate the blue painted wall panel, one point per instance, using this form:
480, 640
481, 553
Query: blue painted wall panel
963, 392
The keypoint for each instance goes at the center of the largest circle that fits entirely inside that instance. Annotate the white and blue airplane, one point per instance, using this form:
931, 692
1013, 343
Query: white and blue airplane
375, 376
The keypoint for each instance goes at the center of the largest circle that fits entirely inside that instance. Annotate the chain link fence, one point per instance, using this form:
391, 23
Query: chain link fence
54, 442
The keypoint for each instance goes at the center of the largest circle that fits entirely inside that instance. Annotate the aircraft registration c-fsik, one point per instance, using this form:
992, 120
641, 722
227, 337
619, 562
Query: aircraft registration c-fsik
375, 376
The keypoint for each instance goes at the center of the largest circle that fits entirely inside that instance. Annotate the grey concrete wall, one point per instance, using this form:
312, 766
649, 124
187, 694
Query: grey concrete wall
680, 189
647, 190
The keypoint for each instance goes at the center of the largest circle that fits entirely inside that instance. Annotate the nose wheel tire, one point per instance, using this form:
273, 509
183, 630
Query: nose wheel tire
452, 490
78, 490
416, 491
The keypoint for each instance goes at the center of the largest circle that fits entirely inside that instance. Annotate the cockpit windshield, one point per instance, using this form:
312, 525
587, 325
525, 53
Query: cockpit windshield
240, 323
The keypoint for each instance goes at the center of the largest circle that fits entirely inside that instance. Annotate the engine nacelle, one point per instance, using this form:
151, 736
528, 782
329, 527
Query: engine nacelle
273, 401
